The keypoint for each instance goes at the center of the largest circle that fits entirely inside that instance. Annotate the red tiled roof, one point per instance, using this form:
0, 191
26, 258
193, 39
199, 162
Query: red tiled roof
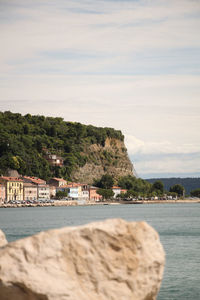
116, 187
11, 178
59, 179
43, 185
72, 185
63, 186
35, 180
28, 184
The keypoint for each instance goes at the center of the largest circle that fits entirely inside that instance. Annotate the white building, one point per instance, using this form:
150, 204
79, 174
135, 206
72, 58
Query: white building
43, 191
116, 190
75, 192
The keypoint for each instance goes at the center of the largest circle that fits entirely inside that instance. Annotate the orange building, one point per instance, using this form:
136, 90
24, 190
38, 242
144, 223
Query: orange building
93, 196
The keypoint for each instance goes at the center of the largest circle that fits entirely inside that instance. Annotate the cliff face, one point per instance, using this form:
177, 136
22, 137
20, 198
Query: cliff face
112, 159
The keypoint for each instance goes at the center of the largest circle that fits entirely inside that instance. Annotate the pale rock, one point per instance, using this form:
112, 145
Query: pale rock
3, 240
109, 260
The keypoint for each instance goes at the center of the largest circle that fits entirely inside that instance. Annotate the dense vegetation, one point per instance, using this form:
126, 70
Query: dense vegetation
136, 188
24, 140
195, 193
189, 184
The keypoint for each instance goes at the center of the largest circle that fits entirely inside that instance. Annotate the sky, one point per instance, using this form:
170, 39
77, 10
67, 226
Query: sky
133, 65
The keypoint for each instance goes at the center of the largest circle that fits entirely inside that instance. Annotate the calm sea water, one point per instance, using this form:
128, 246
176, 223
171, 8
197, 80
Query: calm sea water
177, 224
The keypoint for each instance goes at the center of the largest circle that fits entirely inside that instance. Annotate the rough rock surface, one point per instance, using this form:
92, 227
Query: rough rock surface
107, 260
112, 159
3, 240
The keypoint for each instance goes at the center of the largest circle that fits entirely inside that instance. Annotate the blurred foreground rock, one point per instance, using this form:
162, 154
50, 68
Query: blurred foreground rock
107, 260
3, 240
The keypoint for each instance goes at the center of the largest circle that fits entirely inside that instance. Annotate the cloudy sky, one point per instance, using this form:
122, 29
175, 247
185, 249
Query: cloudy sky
131, 65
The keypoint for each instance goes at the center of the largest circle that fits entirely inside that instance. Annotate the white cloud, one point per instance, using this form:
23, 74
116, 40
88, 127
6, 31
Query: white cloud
137, 146
132, 65
168, 165
163, 157
118, 30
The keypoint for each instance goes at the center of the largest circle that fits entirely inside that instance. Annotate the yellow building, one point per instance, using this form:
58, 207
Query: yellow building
13, 188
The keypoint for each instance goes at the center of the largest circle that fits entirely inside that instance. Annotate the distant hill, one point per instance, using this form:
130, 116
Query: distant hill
188, 183
46, 147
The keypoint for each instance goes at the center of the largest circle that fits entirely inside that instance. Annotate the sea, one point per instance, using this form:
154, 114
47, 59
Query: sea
178, 225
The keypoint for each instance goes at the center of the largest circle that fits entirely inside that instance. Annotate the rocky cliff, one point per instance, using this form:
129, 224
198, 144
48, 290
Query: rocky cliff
111, 158
107, 260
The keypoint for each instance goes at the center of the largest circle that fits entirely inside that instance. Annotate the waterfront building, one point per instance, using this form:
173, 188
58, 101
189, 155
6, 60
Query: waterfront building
52, 190
116, 190
43, 191
13, 188
75, 191
85, 194
2, 194
30, 191
93, 196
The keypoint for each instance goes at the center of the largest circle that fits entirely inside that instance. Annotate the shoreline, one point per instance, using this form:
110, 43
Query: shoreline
58, 203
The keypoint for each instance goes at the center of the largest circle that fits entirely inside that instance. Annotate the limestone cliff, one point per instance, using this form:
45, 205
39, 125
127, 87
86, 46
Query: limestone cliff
112, 159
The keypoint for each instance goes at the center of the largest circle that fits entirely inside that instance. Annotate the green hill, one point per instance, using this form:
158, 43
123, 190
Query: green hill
27, 141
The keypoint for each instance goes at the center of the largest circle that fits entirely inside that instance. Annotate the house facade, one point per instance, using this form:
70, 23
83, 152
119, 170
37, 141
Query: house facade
2, 194
43, 192
93, 196
75, 191
116, 190
30, 191
54, 160
52, 191
13, 188
58, 182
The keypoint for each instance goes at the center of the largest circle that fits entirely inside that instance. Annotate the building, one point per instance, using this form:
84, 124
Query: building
93, 196
58, 182
75, 191
52, 190
13, 188
34, 180
30, 191
85, 193
43, 191
2, 194
116, 190
54, 160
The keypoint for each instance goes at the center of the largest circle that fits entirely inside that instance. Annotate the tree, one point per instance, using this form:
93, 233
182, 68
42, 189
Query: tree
131, 193
158, 186
106, 182
105, 193
138, 185
61, 194
178, 189
127, 182
195, 193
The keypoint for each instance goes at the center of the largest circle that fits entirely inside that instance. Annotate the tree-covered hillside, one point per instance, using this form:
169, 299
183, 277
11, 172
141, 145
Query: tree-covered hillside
25, 140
